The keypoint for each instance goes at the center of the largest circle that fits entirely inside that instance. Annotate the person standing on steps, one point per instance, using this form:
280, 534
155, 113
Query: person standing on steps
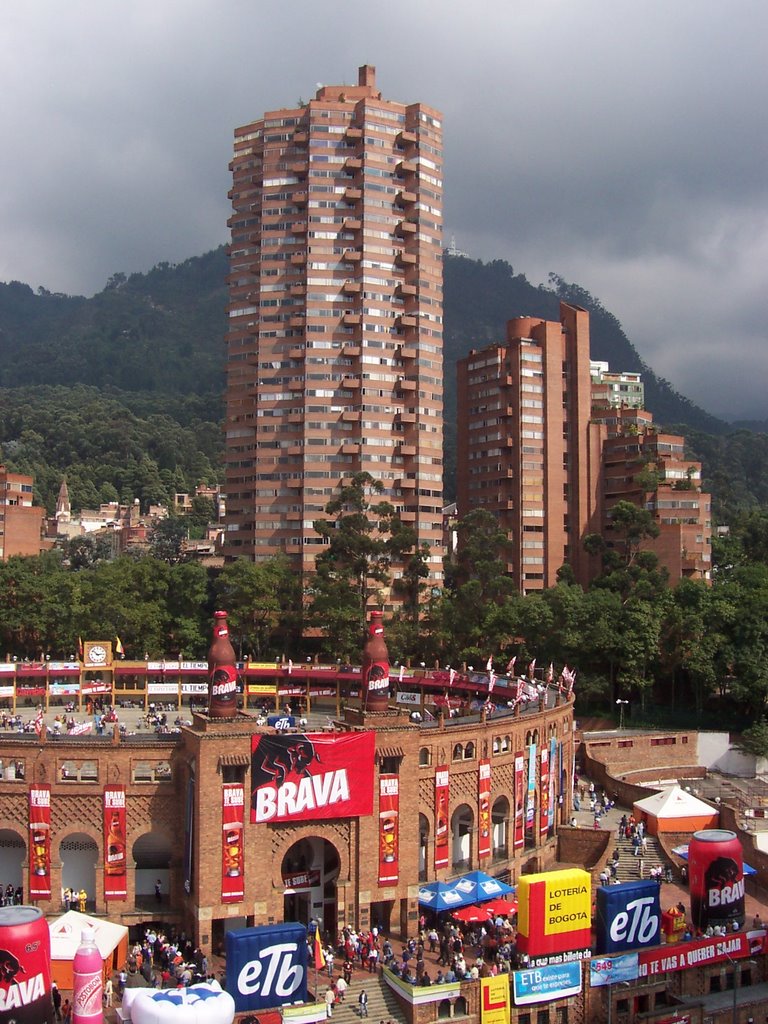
362, 1001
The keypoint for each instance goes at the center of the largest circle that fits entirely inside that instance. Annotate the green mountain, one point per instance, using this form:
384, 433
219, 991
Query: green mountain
122, 392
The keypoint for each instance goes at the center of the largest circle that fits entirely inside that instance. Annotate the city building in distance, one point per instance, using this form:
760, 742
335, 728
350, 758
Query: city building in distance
334, 350
551, 443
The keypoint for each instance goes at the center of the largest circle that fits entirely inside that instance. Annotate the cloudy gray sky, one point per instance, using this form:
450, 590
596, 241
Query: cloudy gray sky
622, 145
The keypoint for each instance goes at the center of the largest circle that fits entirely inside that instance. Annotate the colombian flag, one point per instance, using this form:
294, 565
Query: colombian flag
119, 647
80, 648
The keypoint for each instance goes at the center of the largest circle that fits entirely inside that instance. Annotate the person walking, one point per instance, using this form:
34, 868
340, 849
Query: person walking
362, 1001
56, 999
330, 998
108, 992
341, 989
66, 1012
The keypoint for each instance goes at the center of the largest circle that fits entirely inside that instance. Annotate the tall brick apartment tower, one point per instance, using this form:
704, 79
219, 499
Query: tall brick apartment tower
334, 350
524, 448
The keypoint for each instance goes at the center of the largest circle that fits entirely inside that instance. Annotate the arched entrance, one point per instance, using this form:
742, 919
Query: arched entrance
13, 854
152, 859
310, 872
500, 829
79, 857
461, 830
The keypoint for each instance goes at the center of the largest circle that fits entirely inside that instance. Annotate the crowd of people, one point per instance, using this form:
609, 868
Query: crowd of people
163, 960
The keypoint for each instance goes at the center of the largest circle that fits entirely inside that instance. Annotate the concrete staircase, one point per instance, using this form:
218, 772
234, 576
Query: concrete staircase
629, 865
382, 1003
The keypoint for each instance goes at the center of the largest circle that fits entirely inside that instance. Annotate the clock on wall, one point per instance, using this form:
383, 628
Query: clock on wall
98, 654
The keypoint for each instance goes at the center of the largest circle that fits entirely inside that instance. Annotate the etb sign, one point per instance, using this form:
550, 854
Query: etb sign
628, 917
267, 966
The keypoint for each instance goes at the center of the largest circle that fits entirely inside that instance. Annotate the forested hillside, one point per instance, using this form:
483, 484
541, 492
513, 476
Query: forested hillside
123, 392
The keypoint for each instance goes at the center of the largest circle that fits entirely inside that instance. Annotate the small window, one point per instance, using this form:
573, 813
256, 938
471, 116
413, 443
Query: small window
496, 745
425, 757
78, 771
458, 752
506, 745
469, 752
12, 770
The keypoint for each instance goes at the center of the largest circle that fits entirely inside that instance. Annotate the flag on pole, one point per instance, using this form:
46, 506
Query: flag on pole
400, 677
491, 681
451, 676
531, 668
319, 954
119, 647
489, 664
550, 673
511, 665
80, 648
38, 722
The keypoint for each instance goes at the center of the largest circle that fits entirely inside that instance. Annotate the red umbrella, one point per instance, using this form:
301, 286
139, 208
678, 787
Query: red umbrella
500, 906
470, 914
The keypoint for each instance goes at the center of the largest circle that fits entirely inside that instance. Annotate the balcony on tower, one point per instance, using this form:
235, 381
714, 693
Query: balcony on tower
352, 288
404, 384
406, 198
406, 259
352, 195
406, 228
351, 319
407, 137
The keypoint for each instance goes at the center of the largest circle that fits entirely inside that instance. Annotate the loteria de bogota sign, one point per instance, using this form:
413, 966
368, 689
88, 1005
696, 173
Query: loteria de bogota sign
311, 776
554, 916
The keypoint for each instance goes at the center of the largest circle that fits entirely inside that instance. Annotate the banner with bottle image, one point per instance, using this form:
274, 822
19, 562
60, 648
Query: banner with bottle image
544, 792
519, 812
40, 842
389, 829
232, 852
442, 804
530, 799
484, 807
115, 850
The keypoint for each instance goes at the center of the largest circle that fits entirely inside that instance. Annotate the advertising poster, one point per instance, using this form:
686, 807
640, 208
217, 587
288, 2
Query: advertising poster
484, 808
519, 840
610, 970
554, 916
189, 825
530, 800
546, 983
494, 1000
389, 829
232, 846
311, 776
628, 916
267, 966
441, 816
544, 793
115, 848
40, 842
693, 954
554, 776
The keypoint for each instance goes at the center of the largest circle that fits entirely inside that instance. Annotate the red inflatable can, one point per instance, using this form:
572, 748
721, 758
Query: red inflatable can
716, 873
25, 967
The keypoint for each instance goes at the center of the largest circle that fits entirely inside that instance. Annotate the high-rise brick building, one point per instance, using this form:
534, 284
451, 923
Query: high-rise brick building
21, 522
550, 448
334, 350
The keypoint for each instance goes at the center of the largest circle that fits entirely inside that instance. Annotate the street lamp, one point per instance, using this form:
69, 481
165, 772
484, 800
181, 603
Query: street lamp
737, 966
621, 705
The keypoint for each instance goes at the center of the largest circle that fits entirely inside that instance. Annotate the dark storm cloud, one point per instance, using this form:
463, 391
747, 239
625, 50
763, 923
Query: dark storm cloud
622, 145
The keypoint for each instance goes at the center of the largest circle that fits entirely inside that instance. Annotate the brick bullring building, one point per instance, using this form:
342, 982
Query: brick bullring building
376, 805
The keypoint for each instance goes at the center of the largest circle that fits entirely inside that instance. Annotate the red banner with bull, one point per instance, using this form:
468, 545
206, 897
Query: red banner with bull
484, 808
311, 776
389, 829
232, 847
115, 849
40, 842
519, 812
442, 795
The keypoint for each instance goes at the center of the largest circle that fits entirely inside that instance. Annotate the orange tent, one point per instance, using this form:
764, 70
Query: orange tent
675, 810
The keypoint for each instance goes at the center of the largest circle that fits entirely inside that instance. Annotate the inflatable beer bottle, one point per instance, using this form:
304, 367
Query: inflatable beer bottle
222, 671
375, 666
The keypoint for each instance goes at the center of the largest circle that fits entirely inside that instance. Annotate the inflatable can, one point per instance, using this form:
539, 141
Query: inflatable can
25, 967
716, 873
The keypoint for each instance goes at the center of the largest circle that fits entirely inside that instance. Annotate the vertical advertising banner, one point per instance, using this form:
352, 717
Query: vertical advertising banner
544, 793
519, 796
494, 1000
554, 776
115, 848
441, 816
232, 851
389, 829
484, 808
40, 842
189, 826
530, 800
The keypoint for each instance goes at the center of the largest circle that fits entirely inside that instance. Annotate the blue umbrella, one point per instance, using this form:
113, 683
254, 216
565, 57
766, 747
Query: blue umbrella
483, 886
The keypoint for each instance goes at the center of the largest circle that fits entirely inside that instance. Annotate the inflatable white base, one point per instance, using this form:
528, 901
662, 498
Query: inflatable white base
206, 1003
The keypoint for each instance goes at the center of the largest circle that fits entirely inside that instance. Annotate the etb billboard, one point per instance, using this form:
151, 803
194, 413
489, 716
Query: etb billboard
628, 917
267, 966
554, 916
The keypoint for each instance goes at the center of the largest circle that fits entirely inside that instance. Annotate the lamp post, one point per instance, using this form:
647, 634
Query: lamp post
737, 966
621, 704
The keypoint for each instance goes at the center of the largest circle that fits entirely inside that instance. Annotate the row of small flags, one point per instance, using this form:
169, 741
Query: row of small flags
565, 681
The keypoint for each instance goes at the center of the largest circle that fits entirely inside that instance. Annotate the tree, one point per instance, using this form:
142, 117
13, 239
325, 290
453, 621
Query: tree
357, 559
261, 599
167, 538
631, 525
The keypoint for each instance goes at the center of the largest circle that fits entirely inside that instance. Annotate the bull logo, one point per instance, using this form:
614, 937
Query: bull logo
278, 757
9, 967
